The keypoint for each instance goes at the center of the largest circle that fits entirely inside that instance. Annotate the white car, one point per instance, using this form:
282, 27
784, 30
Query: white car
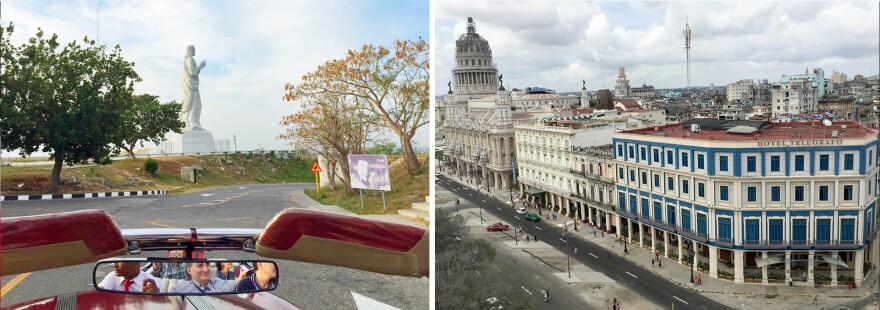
521, 210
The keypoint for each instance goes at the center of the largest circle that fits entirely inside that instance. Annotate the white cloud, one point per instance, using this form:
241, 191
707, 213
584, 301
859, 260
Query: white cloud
557, 44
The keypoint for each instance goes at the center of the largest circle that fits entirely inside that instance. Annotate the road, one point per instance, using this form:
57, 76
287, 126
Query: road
308, 286
650, 286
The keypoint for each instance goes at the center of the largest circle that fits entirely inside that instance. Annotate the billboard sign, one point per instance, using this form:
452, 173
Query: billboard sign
369, 172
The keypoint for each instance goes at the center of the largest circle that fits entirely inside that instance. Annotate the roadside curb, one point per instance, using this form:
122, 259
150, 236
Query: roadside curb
83, 195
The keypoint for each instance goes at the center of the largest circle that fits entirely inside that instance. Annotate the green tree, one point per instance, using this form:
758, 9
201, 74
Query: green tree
387, 148
145, 119
328, 124
391, 84
65, 102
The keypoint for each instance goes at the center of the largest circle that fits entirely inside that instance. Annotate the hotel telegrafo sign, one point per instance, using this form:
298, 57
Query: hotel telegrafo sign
785, 143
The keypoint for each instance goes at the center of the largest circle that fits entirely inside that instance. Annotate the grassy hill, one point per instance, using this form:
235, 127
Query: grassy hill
216, 170
405, 190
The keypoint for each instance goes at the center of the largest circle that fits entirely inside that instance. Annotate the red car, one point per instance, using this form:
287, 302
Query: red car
497, 227
41, 242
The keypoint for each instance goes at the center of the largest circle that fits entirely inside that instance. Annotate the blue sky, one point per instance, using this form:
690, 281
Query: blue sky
556, 44
252, 48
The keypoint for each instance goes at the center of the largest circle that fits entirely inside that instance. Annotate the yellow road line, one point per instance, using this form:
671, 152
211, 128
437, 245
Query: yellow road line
159, 224
8, 287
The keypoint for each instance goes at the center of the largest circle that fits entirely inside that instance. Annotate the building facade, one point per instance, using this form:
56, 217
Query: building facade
542, 97
560, 166
478, 120
794, 97
752, 195
644, 92
741, 90
816, 78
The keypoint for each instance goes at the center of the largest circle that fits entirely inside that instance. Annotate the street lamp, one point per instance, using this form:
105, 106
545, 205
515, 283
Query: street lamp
512, 181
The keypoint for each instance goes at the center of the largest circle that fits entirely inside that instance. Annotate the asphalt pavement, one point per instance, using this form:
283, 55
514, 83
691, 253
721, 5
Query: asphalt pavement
654, 288
309, 286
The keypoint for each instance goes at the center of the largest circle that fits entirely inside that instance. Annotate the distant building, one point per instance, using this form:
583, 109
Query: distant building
793, 97
817, 78
627, 105
644, 92
605, 100
741, 90
539, 97
621, 88
838, 77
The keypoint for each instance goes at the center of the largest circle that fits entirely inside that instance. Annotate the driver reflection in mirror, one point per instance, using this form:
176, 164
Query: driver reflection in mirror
128, 277
263, 277
201, 281
225, 271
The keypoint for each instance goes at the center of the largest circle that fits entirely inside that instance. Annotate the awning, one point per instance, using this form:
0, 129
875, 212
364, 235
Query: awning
534, 191
770, 260
832, 260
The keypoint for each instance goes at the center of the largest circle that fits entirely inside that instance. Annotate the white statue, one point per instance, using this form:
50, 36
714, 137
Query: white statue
192, 101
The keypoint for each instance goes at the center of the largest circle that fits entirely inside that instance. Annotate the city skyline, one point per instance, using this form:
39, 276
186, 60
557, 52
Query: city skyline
556, 45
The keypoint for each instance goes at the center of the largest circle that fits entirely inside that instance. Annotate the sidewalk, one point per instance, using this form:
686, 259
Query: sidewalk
300, 200
680, 273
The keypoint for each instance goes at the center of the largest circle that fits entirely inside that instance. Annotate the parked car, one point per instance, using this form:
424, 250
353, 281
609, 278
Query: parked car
497, 227
521, 210
533, 217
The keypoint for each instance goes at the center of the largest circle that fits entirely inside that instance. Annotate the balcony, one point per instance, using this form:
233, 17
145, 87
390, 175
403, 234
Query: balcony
594, 203
590, 176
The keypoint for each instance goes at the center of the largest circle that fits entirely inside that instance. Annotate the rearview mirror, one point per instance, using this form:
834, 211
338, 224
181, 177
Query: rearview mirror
163, 276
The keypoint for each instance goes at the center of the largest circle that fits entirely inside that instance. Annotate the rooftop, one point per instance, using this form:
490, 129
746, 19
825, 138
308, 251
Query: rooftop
735, 130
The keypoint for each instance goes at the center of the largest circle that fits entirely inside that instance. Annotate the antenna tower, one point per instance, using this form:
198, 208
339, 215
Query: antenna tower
687, 48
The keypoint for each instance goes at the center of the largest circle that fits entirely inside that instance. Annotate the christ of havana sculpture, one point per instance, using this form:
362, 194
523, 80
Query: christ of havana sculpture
192, 101
194, 138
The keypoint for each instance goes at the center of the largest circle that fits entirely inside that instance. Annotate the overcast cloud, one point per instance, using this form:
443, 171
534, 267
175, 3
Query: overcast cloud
558, 44
252, 48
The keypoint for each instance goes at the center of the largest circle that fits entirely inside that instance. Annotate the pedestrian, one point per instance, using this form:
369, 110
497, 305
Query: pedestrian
603, 234
657, 254
575, 250
536, 238
527, 238
805, 276
790, 284
659, 263
699, 279
652, 262
594, 232
609, 253
618, 306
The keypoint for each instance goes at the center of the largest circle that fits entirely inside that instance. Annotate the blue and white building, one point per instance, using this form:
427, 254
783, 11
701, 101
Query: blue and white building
799, 198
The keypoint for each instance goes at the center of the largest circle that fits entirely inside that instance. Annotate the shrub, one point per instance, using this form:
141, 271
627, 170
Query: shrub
704, 266
152, 166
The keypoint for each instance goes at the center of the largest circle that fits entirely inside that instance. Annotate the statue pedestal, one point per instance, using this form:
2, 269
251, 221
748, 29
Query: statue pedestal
195, 141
